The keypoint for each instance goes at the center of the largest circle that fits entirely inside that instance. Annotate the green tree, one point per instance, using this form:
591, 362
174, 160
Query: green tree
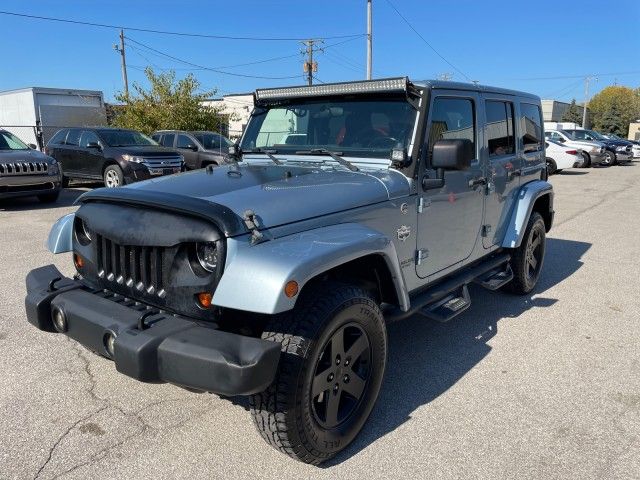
167, 104
573, 114
622, 102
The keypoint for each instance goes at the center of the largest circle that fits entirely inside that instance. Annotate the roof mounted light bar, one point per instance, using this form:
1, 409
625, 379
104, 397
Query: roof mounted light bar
399, 84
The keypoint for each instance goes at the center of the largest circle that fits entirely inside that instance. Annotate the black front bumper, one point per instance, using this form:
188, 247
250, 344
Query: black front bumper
152, 346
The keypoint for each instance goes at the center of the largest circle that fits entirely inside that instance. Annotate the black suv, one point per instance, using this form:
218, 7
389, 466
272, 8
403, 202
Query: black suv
199, 148
115, 156
616, 151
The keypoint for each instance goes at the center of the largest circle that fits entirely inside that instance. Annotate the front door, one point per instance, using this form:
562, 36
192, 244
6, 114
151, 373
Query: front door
92, 158
451, 217
504, 166
188, 149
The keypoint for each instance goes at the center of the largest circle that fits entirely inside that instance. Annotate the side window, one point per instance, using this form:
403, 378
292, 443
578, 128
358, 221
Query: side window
156, 137
58, 138
73, 139
88, 137
500, 136
184, 141
452, 118
531, 127
167, 139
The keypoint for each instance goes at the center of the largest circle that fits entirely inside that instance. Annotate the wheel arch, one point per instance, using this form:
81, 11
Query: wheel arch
534, 196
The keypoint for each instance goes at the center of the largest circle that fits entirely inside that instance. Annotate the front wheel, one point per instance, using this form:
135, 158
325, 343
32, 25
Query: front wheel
334, 353
113, 176
609, 159
586, 160
527, 259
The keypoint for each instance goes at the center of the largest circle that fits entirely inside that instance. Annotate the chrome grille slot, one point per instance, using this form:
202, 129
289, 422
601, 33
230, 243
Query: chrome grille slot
138, 268
162, 162
23, 168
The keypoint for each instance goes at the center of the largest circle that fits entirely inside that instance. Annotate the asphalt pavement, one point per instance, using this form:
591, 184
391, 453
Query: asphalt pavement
535, 387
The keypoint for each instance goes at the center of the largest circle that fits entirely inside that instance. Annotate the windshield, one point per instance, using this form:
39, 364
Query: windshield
212, 141
9, 141
357, 128
125, 138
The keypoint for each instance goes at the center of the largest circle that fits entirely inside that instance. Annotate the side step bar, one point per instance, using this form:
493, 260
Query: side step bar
495, 279
449, 307
440, 290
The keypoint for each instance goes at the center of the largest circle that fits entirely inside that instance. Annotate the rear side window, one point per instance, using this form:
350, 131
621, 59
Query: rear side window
452, 118
531, 127
167, 139
500, 137
73, 138
58, 138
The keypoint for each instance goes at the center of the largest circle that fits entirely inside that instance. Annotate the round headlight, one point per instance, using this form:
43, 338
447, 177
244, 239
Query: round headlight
83, 233
207, 254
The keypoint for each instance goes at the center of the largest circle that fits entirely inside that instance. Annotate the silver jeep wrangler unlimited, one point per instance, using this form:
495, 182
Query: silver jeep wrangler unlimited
348, 206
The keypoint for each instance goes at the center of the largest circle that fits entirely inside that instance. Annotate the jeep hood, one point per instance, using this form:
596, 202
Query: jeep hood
278, 195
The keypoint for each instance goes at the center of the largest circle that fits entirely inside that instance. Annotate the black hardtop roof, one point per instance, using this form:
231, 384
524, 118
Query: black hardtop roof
445, 84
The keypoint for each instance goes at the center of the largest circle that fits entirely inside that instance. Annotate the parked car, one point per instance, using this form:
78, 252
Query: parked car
592, 152
199, 148
635, 146
275, 276
560, 157
616, 151
25, 172
114, 155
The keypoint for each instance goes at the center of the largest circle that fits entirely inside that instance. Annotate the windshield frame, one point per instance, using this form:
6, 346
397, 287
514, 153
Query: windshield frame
360, 153
15, 139
102, 133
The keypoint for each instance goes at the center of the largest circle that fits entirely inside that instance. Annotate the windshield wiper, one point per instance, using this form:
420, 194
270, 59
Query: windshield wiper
268, 153
335, 155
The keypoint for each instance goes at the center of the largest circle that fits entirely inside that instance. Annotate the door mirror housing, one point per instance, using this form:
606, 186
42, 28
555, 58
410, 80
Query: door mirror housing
452, 154
95, 145
32, 146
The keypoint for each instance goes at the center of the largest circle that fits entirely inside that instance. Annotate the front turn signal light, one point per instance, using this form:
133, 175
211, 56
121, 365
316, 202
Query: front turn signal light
78, 261
205, 299
291, 289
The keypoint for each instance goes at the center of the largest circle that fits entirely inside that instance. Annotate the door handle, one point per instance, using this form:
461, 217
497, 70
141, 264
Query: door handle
515, 173
477, 181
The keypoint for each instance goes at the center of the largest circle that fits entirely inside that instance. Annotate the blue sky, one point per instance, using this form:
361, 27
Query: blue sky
533, 46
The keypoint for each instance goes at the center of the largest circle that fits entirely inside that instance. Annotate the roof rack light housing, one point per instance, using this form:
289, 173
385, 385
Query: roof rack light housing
399, 84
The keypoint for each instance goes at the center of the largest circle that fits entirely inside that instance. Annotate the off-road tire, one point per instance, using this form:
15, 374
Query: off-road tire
113, 176
286, 414
524, 281
49, 197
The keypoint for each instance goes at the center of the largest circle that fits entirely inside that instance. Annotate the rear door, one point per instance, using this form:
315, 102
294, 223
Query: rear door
530, 141
504, 166
451, 217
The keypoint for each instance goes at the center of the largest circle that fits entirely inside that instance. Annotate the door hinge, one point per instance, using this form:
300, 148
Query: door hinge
421, 255
423, 203
486, 230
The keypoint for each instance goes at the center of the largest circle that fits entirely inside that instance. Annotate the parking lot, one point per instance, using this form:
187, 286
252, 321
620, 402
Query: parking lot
545, 386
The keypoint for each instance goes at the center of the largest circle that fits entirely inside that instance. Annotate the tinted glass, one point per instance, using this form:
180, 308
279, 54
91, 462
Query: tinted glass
359, 128
125, 138
156, 137
167, 139
9, 141
452, 118
184, 141
531, 127
88, 137
500, 137
58, 138
212, 141
73, 139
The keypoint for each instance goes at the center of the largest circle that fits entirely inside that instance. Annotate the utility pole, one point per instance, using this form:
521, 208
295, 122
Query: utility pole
310, 67
369, 38
120, 49
587, 80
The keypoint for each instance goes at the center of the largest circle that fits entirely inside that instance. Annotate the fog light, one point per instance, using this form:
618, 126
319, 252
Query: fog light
59, 319
205, 299
291, 289
109, 343
78, 261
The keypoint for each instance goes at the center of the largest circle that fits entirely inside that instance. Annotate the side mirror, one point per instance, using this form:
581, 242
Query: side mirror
33, 146
95, 145
452, 154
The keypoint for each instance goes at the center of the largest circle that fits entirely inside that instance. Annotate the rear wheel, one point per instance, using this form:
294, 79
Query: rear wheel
334, 353
527, 259
113, 176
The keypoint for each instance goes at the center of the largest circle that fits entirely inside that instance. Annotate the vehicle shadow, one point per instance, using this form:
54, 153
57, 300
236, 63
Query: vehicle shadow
427, 358
67, 197
572, 172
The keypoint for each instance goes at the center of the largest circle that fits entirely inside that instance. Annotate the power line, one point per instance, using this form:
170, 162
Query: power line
425, 41
565, 77
201, 67
165, 32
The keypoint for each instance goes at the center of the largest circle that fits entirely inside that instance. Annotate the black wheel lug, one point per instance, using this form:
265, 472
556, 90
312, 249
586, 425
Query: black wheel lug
330, 378
336, 387
338, 360
346, 379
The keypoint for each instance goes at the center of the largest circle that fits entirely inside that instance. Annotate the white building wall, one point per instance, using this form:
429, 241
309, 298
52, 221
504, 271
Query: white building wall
238, 108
